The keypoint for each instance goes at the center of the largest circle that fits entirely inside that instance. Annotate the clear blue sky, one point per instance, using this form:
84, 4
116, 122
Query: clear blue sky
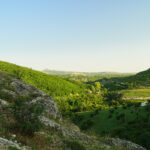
77, 35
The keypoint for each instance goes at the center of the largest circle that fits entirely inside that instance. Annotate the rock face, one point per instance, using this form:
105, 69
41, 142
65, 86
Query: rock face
25, 89
13, 94
64, 131
3, 103
125, 144
50, 107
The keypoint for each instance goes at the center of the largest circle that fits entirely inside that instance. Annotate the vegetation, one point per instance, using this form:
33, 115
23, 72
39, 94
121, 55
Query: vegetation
53, 85
141, 79
96, 107
26, 116
123, 122
71, 96
13, 148
73, 145
142, 92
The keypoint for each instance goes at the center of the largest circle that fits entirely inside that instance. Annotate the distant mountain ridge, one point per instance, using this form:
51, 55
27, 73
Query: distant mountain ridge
57, 72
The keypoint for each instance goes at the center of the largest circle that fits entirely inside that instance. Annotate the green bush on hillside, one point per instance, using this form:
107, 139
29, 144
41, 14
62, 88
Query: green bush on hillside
26, 116
73, 145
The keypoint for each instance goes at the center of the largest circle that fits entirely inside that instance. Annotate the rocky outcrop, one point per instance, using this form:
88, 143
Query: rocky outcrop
3, 103
25, 89
50, 107
64, 131
13, 94
5, 144
125, 144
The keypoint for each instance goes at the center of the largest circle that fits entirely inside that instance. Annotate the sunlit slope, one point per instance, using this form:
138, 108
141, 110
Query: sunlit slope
53, 85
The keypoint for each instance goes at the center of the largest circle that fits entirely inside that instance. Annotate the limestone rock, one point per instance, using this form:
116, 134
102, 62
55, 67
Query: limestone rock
50, 107
64, 131
125, 144
4, 144
13, 94
3, 103
24, 89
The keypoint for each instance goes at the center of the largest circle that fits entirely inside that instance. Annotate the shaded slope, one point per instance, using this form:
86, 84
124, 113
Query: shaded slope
134, 81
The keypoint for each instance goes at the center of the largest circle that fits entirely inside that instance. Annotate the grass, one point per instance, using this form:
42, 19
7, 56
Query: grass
143, 92
53, 85
13, 148
123, 122
106, 121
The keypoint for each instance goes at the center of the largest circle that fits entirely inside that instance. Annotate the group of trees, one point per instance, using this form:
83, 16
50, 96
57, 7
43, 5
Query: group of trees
91, 99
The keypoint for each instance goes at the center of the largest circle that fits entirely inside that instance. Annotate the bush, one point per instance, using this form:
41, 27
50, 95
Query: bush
77, 118
74, 145
5, 96
86, 124
13, 148
26, 116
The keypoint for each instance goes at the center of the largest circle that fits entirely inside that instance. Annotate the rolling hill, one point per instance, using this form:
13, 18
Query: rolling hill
141, 79
86, 76
51, 84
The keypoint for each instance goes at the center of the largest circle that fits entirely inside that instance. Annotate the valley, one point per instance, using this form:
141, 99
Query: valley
105, 108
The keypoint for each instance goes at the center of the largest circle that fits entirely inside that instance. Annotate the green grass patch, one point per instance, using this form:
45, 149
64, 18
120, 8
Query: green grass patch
130, 123
136, 93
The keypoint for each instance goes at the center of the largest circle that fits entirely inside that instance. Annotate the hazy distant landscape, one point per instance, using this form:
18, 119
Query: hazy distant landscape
86, 76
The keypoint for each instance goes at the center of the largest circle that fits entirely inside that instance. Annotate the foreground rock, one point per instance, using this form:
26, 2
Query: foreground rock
125, 144
64, 131
5, 144
50, 107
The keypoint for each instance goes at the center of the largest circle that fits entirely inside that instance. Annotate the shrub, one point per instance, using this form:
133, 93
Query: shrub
13, 148
110, 116
26, 116
111, 111
74, 145
77, 118
5, 96
86, 124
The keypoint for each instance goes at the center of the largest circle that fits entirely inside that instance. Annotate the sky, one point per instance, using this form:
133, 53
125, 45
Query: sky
76, 35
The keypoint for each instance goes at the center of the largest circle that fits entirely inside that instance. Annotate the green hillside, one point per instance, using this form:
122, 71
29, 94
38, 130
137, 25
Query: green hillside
53, 85
71, 96
127, 122
142, 78
139, 80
